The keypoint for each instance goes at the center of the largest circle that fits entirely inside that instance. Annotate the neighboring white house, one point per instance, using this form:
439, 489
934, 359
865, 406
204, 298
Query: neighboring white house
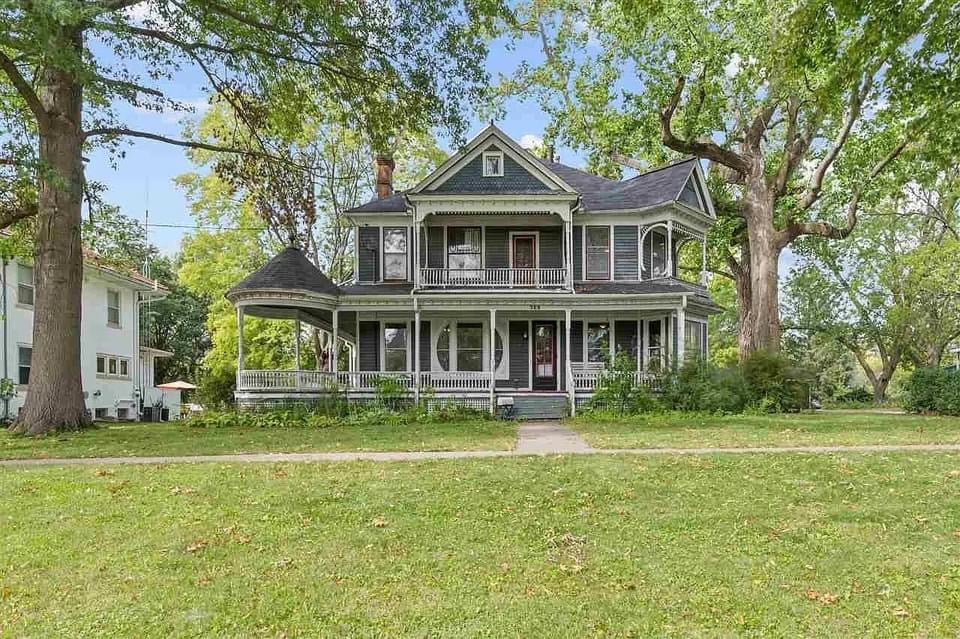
117, 370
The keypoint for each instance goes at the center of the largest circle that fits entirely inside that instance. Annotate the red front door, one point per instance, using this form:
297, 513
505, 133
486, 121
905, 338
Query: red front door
524, 251
544, 356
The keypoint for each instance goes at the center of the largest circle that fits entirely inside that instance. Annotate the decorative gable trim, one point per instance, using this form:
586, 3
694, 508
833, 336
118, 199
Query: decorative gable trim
509, 148
700, 186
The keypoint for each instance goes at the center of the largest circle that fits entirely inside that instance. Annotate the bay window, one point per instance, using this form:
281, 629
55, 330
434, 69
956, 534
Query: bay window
598, 252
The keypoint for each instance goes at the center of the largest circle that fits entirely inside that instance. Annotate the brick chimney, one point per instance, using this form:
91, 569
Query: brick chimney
385, 166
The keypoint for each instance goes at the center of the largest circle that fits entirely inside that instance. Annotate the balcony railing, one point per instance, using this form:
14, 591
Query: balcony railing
493, 278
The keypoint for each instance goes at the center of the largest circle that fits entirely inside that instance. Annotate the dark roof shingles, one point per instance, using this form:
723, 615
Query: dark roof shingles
288, 270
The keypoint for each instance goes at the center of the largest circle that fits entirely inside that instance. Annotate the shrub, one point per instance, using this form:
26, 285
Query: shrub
618, 392
774, 383
215, 387
701, 386
933, 390
317, 417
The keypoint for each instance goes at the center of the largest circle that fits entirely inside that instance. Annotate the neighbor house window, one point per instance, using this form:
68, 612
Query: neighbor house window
124, 368
598, 252
463, 248
101, 365
24, 359
598, 342
113, 307
24, 285
469, 347
395, 254
693, 345
113, 366
492, 164
395, 347
100, 413
654, 344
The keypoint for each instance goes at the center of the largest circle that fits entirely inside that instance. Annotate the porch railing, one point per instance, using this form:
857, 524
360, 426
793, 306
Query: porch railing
493, 278
456, 381
588, 379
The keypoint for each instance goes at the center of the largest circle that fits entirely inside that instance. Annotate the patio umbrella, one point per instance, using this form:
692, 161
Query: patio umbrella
177, 385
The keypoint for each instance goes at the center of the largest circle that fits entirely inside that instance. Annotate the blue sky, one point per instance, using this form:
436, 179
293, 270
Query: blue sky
143, 176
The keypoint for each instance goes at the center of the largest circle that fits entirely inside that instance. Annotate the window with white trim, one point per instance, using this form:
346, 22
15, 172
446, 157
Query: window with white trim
113, 308
395, 253
24, 363
395, 347
598, 252
693, 342
25, 285
658, 254
492, 164
459, 346
598, 342
113, 366
464, 248
469, 347
654, 344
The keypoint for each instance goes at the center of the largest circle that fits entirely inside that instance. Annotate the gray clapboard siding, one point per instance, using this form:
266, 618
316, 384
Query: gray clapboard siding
369, 346
368, 254
436, 253
469, 179
519, 355
497, 253
576, 340
625, 337
577, 252
424, 346
625, 253
551, 252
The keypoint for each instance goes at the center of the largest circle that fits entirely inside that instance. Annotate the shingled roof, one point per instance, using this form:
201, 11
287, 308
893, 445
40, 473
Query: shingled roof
288, 270
395, 203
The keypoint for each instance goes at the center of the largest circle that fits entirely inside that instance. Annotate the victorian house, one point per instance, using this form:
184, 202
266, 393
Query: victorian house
501, 280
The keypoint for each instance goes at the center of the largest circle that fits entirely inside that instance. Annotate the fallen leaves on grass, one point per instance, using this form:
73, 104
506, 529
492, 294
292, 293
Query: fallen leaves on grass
566, 550
197, 545
955, 472
826, 598
103, 472
900, 613
379, 522
182, 490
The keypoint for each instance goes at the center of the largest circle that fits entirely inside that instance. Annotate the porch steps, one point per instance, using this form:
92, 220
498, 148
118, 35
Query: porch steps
537, 406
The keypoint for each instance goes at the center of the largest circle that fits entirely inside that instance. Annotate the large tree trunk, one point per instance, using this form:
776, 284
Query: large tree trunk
55, 397
760, 327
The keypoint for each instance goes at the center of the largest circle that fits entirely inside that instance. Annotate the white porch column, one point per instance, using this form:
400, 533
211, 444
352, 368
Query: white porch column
334, 342
296, 341
239, 343
568, 367
493, 360
703, 262
416, 354
669, 248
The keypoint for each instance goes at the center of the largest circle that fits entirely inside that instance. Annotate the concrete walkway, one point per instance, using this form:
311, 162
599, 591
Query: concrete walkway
535, 438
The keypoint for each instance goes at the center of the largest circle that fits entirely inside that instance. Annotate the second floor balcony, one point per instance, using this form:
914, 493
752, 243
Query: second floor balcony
506, 278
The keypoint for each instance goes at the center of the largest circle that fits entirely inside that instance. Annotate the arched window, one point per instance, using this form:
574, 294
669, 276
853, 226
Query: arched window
459, 347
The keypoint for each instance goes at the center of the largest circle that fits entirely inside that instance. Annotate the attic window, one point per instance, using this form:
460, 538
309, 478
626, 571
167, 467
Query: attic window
493, 164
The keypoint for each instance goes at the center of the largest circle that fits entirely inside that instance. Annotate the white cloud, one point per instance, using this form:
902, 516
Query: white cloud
146, 13
531, 141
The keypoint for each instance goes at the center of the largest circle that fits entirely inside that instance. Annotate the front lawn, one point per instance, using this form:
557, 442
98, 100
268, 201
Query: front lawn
827, 428
177, 438
752, 545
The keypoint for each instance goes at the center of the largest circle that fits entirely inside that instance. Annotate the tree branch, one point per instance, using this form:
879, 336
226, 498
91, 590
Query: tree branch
709, 150
190, 144
24, 89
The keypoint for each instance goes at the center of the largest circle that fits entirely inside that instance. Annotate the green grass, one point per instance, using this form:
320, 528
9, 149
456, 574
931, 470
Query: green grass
619, 546
176, 438
826, 428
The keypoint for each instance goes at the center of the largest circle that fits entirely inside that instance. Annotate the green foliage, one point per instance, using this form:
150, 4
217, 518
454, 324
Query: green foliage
215, 386
701, 386
933, 390
617, 390
392, 391
774, 383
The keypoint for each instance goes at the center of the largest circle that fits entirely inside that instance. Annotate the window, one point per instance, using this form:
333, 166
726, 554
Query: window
463, 248
100, 413
124, 368
113, 366
101, 365
123, 413
498, 349
395, 254
24, 285
443, 347
492, 164
24, 358
469, 347
693, 345
654, 344
598, 342
598, 252
113, 308
395, 347
658, 254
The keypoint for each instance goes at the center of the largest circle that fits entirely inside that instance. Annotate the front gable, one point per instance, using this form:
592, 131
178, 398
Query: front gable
515, 178
463, 171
